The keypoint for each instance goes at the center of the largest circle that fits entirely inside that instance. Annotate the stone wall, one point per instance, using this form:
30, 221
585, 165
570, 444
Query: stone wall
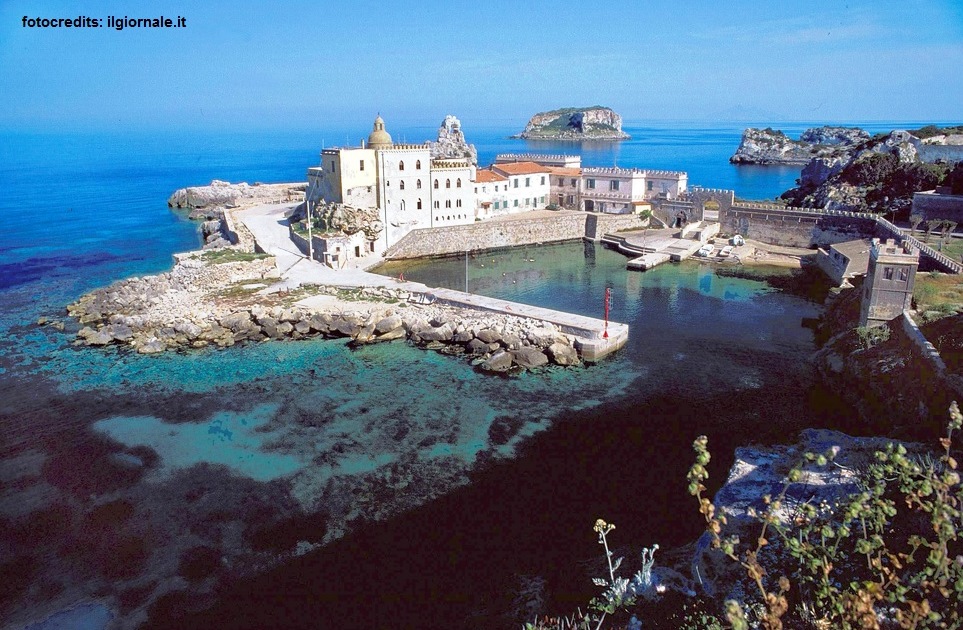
483, 235
793, 229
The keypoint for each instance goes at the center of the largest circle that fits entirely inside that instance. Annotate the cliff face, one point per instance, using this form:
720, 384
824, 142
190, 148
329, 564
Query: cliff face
451, 142
769, 146
879, 174
573, 123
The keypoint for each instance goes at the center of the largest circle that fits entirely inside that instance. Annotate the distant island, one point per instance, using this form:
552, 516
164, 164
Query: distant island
771, 146
575, 123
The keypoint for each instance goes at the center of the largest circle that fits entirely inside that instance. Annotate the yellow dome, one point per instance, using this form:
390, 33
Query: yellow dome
379, 138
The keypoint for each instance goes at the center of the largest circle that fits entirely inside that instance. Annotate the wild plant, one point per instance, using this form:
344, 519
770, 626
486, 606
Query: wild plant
889, 553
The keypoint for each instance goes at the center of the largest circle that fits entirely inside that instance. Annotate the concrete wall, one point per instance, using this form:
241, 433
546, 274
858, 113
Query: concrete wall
507, 233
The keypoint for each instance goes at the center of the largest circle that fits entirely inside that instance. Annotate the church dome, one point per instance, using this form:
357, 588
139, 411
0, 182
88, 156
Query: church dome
379, 138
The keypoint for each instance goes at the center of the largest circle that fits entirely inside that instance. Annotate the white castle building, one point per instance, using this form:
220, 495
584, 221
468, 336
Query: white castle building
428, 185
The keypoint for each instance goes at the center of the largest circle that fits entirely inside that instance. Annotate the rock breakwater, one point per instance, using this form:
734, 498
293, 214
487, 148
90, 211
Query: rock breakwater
224, 297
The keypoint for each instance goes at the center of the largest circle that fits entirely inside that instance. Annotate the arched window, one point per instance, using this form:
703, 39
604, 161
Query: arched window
418, 165
448, 203
436, 184
402, 185
436, 205
419, 203
458, 203
401, 165
418, 184
447, 183
402, 205
458, 183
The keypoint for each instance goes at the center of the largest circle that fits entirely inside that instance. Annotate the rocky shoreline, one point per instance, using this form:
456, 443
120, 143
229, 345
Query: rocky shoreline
224, 297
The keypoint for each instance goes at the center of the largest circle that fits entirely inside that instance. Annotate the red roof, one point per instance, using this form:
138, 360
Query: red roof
564, 170
520, 168
484, 176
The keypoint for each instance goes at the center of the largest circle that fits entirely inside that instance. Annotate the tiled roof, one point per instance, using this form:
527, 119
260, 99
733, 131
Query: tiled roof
562, 170
520, 168
484, 176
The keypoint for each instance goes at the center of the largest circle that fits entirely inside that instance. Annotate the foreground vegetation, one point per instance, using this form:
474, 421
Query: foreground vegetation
888, 555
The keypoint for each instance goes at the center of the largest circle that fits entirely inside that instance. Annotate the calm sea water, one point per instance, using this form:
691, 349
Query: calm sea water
379, 483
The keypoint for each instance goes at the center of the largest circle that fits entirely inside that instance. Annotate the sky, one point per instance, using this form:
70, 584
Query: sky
249, 64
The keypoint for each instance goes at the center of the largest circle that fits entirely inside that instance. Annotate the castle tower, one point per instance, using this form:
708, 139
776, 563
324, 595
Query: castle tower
888, 289
379, 138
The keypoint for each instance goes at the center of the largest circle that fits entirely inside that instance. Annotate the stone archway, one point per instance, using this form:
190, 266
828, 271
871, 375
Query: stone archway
589, 205
710, 210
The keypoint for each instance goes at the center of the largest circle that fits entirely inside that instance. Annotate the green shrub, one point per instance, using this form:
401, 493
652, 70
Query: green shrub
890, 553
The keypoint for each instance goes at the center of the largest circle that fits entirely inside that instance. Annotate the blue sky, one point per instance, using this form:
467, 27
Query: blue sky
246, 64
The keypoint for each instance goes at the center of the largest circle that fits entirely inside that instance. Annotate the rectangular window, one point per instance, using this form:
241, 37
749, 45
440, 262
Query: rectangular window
590, 183
516, 182
527, 201
648, 185
561, 182
361, 167
543, 180
528, 182
904, 274
516, 203
614, 184
574, 182
888, 273
543, 199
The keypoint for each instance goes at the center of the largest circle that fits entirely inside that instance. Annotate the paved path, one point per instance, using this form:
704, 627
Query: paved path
270, 229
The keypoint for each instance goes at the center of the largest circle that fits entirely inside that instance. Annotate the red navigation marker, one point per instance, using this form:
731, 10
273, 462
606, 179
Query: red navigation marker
608, 299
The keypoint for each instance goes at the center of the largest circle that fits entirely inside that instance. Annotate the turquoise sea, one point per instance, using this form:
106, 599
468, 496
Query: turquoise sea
311, 484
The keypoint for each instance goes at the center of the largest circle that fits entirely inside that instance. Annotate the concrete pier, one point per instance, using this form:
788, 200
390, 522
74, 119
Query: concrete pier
590, 333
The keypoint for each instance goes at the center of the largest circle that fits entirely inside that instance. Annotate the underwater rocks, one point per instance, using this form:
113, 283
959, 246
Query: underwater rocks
197, 305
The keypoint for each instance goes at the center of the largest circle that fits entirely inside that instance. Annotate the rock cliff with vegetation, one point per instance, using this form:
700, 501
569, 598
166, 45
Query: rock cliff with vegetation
770, 146
882, 173
575, 123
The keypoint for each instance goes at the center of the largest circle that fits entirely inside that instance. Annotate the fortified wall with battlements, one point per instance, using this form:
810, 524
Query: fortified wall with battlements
790, 226
482, 235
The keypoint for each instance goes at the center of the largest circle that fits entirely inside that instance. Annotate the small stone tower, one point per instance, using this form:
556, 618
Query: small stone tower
888, 288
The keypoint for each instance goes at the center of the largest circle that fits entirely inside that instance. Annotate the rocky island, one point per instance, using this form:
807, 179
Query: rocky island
575, 123
771, 146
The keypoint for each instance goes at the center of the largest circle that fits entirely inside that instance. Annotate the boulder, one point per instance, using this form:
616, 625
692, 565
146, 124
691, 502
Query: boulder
397, 333
463, 336
441, 333
188, 329
388, 324
303, 327
285, 328
478, 347
563, 354
238, 321
501, 361
348, 325
321, 322
489, 336
529, 357
154, 346
120, 332
512, 342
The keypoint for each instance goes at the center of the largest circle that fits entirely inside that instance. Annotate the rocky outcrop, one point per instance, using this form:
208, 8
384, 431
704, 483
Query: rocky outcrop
451, 142
770, 146
760, 471
855, 180
207, 202
573, 123
189, 308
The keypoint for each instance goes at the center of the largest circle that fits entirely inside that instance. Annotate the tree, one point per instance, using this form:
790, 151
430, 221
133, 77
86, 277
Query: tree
932, 224
915, 220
